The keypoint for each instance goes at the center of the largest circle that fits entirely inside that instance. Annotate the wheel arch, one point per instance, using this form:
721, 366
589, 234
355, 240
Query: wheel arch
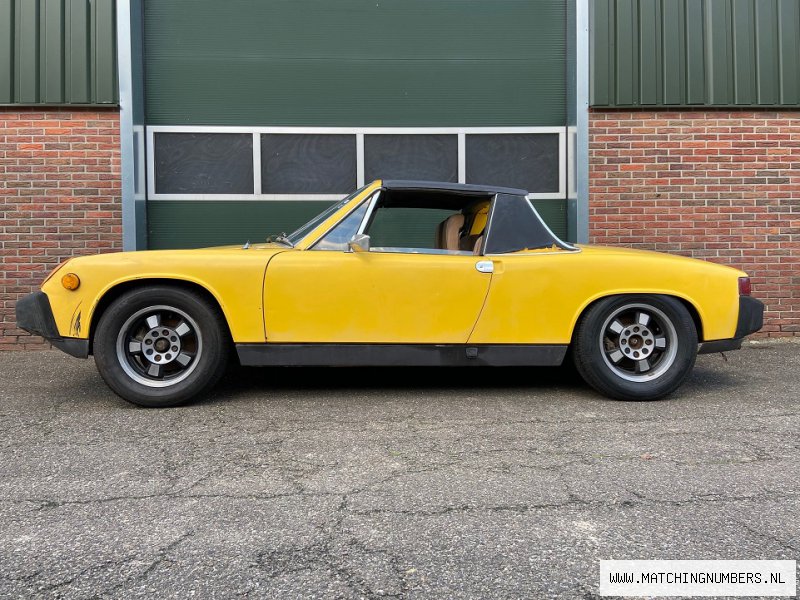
109, 295
689, 305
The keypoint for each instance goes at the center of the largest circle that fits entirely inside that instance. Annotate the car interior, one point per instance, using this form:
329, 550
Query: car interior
415, 221
436, 221
428, 221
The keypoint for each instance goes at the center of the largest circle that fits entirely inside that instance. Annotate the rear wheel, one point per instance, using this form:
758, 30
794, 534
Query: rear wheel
636, 347
160, 346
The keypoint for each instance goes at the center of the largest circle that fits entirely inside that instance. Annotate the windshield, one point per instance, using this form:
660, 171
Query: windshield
298, 235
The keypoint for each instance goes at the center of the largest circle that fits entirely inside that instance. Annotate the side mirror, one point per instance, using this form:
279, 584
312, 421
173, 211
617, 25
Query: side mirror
359, 243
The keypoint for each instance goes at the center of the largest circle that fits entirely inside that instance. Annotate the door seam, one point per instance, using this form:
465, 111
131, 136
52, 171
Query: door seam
483, 306
264, 295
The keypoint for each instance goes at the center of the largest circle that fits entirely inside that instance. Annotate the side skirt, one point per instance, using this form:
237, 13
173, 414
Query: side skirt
399, 355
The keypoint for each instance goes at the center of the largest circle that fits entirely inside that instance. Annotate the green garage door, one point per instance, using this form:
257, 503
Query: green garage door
260, 113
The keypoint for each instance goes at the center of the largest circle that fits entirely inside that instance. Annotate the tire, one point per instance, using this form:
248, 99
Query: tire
161, 346
635, 347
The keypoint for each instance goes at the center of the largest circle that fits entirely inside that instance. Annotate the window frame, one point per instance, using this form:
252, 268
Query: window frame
151, 131
404, 249
372, 199
411, 250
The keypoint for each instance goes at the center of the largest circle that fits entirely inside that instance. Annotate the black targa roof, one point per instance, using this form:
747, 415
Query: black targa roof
514, 224
442, 186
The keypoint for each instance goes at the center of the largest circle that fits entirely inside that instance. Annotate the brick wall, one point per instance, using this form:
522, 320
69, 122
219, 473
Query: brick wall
718, 185
60, 197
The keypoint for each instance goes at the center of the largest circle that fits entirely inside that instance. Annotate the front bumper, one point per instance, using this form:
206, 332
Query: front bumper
751, 319
35, 316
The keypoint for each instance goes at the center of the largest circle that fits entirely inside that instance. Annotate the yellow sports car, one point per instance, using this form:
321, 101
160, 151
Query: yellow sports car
399, 273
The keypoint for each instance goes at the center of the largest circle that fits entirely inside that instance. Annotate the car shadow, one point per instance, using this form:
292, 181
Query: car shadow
240, 383
239, 380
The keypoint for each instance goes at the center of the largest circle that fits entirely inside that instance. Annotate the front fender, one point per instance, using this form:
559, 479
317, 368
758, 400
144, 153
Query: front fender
235, 281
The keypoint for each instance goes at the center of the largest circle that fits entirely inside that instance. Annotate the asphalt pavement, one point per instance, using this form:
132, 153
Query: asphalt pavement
365, 483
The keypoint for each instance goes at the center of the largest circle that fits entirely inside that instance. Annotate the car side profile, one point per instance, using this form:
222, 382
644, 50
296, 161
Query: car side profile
399, 273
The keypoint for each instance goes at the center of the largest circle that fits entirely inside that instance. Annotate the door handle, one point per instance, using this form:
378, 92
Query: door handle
485, 266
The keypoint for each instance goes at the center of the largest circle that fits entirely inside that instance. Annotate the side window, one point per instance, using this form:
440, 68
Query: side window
453, 230
407, 228
338, 237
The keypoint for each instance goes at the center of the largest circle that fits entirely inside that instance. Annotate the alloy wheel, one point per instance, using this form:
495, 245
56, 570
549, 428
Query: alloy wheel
638, 342
159, 346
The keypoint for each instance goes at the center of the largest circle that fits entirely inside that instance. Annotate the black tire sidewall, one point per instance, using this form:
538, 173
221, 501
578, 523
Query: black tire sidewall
210, 366
589, 360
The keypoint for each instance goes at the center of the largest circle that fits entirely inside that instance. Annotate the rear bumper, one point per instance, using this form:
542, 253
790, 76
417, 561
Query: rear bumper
751, 316
751, 319
35, 316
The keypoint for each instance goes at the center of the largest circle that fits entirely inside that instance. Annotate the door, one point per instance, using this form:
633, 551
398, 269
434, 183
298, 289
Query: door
373, 297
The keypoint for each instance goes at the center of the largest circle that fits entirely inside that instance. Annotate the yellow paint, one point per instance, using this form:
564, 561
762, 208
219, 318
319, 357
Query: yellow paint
234, 277
536, 298
324, 296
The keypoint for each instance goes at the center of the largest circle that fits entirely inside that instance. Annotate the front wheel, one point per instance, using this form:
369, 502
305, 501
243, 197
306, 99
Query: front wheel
160, 346
636, 347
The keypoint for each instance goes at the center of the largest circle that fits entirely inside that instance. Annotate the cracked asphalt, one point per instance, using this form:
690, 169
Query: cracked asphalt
365, 483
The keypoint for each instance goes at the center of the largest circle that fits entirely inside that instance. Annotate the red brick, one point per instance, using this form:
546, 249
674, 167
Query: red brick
724, 188
35, 234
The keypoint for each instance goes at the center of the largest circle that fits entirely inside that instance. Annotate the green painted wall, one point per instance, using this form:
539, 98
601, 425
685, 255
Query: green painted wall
192, 224
695, 52
554, 213
198, 223
355, 62
58, 52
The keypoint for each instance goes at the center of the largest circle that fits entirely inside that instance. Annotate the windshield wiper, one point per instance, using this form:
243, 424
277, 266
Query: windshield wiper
281, 239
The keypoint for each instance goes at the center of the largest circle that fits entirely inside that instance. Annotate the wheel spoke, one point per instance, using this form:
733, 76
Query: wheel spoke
183, 358
182, 329
643, 365
616, 327
616, 356
154, 321
661, 342
154, 370
135, 347
643, 319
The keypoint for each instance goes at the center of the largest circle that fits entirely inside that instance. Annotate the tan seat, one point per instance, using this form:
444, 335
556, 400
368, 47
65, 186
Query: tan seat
478, 245
467, 242
449, 232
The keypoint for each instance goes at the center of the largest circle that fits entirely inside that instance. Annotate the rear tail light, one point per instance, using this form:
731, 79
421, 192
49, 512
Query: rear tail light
744, 286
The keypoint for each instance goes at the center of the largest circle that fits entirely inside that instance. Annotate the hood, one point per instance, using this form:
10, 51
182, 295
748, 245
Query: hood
163, 258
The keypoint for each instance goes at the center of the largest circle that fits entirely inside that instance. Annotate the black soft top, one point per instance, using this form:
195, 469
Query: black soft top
443, 186
514, 224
